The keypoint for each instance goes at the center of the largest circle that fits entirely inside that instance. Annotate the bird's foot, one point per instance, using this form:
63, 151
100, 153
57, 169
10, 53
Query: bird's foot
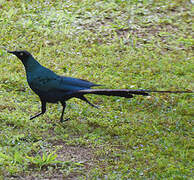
63, 120
32, 117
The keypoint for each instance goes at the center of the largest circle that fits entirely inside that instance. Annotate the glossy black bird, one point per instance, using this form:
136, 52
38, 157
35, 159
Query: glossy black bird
53, 88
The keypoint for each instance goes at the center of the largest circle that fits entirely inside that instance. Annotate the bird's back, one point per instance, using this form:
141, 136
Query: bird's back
53, 87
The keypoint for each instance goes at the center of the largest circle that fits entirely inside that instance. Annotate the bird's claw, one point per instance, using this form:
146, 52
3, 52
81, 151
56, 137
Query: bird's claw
62, 120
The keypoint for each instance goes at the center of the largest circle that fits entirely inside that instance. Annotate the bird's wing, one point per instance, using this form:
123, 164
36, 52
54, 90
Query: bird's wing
74, 82
48, 80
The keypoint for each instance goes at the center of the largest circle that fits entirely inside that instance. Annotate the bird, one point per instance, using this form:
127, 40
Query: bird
53, 88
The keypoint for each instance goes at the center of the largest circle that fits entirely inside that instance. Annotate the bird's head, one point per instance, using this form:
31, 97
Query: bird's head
22, 55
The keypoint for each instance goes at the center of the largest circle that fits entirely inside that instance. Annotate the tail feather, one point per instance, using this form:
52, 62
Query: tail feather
127, 93
174, 92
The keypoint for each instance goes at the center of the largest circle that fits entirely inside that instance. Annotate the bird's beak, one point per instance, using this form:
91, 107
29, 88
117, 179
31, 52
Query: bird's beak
13, 52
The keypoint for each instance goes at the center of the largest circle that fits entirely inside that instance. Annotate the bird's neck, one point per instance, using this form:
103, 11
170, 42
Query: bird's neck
31, 64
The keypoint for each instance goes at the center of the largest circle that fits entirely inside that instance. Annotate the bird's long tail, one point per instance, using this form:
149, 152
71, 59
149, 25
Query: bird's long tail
127, 93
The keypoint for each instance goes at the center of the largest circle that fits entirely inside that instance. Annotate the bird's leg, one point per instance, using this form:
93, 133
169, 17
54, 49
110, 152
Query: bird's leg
43, 110
84, 99
64, 106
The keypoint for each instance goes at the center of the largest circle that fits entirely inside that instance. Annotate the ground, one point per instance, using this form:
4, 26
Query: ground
140, 44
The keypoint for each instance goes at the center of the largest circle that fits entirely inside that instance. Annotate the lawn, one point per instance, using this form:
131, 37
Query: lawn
145, 44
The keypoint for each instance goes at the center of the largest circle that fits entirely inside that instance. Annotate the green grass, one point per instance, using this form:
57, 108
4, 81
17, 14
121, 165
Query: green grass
144, 44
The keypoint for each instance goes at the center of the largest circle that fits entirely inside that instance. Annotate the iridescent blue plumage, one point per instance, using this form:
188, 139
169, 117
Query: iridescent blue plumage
45, 79
53, 88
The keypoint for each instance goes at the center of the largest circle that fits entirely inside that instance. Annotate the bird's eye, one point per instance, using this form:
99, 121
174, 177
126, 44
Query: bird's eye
21, 54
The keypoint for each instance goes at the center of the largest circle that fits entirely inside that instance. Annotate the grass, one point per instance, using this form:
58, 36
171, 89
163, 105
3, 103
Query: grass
144, 44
